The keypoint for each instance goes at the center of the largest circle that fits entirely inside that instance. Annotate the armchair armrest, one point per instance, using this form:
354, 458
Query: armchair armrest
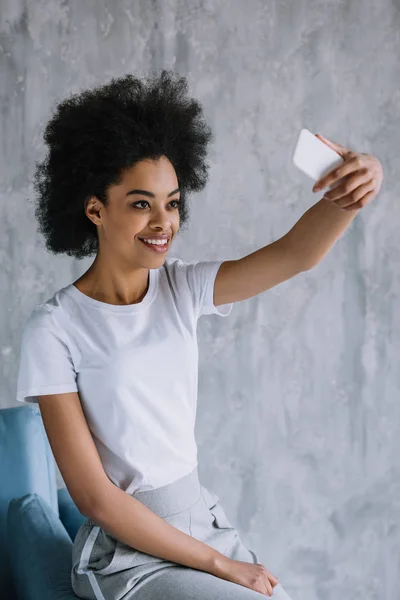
40, 550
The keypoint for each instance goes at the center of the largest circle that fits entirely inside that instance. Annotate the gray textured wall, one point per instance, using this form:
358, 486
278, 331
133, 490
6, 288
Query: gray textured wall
299, 409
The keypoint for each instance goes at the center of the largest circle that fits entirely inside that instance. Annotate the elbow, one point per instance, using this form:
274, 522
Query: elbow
307, 266
95, 513
85, 508
91, 510
300, 259
86, 511
90, 507
308, 262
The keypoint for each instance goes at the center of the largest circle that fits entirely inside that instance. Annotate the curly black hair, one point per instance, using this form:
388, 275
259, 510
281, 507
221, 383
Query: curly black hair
96, 134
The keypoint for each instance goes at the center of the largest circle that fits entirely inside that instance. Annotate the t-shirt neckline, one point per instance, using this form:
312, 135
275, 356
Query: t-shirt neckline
82, 298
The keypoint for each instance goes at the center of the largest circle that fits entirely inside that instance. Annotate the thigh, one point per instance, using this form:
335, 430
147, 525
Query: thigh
184, 583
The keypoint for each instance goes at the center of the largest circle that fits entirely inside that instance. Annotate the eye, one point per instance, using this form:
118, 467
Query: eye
135, 204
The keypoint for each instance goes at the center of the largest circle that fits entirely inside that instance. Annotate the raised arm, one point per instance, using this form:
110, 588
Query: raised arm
310, 238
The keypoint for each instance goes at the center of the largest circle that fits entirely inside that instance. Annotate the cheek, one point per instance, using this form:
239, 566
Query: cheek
121, 231
130, 222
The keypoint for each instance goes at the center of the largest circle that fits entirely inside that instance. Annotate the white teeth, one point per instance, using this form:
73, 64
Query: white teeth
157, 242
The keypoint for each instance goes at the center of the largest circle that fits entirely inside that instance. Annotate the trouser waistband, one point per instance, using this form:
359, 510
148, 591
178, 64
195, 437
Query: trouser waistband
173, 497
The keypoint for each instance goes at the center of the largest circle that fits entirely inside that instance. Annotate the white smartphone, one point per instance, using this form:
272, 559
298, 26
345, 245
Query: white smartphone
315, 158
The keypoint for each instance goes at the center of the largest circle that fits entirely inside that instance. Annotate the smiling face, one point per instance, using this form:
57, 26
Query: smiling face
144, 205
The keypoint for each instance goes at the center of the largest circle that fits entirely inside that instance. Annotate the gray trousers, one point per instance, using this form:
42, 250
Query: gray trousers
104, 568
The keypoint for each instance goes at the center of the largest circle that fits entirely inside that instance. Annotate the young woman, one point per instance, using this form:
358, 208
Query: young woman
112, 358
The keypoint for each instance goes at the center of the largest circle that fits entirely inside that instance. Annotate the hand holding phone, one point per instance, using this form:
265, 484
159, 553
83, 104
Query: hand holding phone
314, 158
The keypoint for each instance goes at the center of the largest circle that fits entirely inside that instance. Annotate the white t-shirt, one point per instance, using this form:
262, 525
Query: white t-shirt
135, 368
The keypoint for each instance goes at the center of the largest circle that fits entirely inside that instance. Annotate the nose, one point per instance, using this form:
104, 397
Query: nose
161, 219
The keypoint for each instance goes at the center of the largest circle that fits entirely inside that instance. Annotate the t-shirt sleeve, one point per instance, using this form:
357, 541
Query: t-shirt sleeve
45, 362
201, 277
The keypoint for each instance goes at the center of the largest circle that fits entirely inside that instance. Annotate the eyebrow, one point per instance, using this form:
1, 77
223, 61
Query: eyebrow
150, 194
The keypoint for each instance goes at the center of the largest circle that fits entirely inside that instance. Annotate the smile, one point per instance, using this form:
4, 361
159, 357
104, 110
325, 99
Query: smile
158, 248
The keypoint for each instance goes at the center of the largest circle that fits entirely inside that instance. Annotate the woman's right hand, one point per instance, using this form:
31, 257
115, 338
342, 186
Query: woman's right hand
250, 575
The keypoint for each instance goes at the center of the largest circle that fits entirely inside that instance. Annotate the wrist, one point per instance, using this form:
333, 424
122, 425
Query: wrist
219, 564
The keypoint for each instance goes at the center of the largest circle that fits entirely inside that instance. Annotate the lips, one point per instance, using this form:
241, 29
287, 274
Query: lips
155, 247
153, 238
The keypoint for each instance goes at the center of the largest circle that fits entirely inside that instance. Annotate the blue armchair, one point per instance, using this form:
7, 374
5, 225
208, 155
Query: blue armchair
38, 523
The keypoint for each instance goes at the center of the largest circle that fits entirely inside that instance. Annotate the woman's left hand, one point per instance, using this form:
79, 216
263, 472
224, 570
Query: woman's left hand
363, 178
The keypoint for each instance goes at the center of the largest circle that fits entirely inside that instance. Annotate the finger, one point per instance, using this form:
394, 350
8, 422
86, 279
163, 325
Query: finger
274, 580
363, 202
269, 587
351, 165
342, 150
355, 196
350, 183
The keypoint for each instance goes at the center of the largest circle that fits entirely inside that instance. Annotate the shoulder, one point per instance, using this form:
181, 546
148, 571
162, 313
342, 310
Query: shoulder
40, 316
175, 268
179, 266
39, 325
182, 274
173, 263
45, 314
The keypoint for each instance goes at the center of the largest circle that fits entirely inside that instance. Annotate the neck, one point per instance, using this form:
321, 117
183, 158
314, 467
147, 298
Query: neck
106, 283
